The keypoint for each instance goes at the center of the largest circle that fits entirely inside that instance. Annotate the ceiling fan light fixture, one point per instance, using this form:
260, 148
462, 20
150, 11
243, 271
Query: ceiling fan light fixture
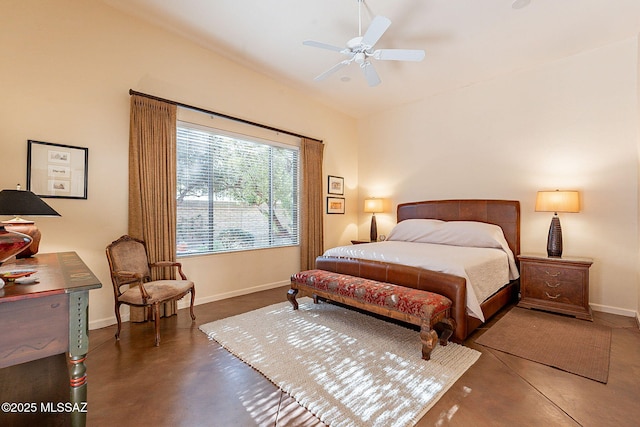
360, 49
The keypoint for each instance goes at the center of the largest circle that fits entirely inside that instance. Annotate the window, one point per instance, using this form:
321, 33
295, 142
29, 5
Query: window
234, 192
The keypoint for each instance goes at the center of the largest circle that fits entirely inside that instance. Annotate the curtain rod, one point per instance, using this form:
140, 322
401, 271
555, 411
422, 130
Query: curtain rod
225, 116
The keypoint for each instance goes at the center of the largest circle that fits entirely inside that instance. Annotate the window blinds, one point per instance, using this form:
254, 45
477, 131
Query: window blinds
235, 192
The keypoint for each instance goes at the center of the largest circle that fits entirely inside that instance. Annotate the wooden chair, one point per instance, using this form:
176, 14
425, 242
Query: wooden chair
130, 268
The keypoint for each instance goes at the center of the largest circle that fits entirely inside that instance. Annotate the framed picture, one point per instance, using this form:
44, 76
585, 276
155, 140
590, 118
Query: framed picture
335, 205
336, 185
55, 170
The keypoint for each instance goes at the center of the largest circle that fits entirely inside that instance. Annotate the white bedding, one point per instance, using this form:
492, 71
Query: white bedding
485, 269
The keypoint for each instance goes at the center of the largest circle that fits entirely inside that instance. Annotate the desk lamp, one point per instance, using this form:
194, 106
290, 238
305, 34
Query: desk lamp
556, 201
373, 206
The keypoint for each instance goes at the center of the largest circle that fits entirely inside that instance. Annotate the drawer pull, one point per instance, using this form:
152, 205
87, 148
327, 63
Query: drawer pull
552, 286
551, 297
556, 274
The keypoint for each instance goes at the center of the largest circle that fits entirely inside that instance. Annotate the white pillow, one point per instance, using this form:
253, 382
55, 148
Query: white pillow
456, 233
414, 230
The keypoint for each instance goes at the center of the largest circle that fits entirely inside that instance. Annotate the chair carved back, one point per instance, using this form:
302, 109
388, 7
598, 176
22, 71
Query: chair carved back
127, 254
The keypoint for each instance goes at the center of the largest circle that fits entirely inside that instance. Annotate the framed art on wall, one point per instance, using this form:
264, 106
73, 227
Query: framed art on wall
335, 205
335, 185
56, 170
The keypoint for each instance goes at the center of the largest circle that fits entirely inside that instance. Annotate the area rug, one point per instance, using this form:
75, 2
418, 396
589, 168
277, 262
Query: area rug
572, 345
345, 367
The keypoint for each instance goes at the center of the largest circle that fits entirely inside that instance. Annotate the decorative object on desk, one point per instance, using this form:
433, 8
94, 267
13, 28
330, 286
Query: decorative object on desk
26, 280
11, 276
12, 243
335, 185
373, 206
18, 203
56, 170
556, 201
335, 205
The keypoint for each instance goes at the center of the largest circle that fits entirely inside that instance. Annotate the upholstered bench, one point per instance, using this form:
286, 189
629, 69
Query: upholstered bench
429, 311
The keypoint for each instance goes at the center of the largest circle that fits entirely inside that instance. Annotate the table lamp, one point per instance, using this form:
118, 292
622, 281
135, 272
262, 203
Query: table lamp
18, 203
373, 206
556, 201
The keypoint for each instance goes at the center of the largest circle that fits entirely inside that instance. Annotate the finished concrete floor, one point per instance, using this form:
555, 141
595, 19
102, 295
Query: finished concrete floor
192, 381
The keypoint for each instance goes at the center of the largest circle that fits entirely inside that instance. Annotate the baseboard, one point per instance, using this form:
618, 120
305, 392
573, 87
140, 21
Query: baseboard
614, 310
103, 323
184, 303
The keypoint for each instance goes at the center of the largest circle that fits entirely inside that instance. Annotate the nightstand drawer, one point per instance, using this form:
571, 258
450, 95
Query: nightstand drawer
562, 294
554, 284
553, 277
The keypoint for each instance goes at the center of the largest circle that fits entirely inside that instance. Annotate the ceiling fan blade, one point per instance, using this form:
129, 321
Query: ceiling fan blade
332, 70
370, 74
322, 45
398, 54
377, 28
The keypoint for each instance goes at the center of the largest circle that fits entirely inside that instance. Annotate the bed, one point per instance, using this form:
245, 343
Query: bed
474, 302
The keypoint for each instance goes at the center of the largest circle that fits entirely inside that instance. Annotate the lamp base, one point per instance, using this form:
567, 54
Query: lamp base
29, 228
554, 241
373, 234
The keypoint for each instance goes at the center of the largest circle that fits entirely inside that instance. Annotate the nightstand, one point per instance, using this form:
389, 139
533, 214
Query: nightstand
560, 285
358, 242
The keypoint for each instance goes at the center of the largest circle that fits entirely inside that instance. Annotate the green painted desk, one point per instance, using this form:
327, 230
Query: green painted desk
49, 317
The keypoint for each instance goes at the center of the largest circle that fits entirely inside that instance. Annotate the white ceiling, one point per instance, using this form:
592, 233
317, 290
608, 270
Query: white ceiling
466, 41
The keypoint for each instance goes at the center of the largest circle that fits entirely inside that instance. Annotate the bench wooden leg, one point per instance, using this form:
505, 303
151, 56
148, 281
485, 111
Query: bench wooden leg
445, 329
429, 339
291, 296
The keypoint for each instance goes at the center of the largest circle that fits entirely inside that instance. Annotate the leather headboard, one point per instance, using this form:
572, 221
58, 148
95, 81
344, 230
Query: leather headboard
504, 213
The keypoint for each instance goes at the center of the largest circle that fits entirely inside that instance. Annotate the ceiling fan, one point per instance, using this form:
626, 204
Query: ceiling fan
360, 50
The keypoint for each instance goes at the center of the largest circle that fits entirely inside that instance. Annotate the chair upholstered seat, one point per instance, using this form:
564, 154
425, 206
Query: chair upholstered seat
159, 291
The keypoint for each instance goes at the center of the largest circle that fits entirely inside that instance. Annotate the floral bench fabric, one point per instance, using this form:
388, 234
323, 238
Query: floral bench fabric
422, 308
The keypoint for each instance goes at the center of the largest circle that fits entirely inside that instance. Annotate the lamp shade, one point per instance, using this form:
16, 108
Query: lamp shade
558, 201
24, 202
373, 205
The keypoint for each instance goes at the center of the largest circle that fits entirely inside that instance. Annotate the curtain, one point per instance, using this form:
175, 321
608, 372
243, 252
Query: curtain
152, 186
311, 218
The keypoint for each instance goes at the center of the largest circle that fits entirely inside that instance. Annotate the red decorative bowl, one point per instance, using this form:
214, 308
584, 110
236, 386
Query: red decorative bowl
12, 243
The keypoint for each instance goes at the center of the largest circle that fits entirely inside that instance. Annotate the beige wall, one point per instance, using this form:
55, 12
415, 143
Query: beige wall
569, 124
638, 141
67, 68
